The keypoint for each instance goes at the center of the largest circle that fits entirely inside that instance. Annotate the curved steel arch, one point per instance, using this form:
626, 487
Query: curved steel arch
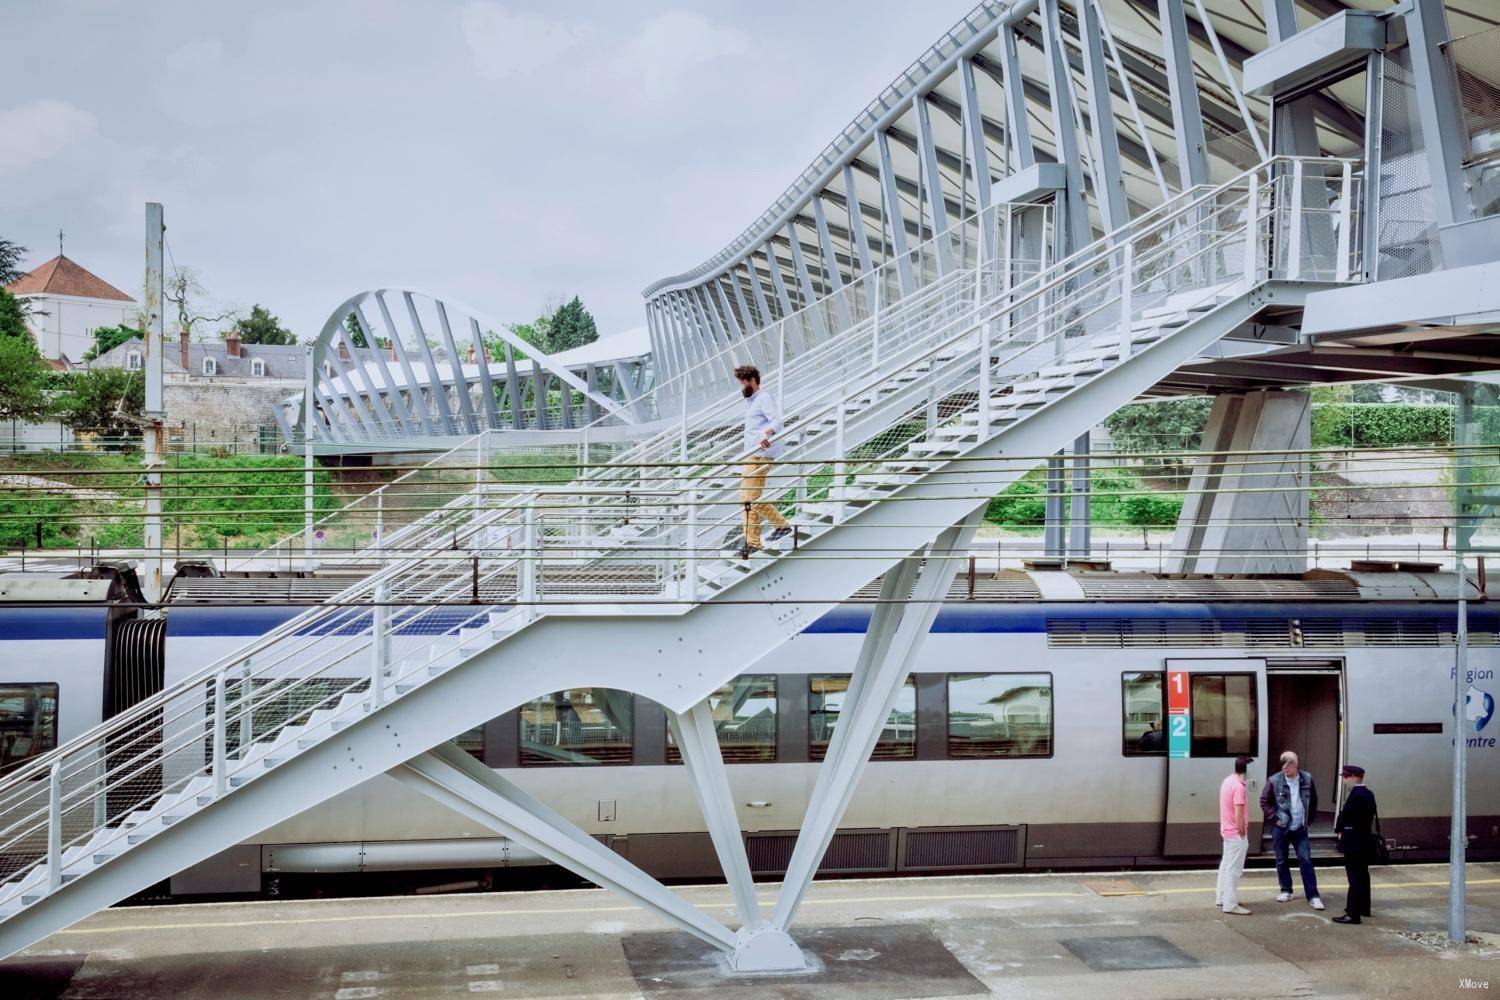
1104, 108
417, 366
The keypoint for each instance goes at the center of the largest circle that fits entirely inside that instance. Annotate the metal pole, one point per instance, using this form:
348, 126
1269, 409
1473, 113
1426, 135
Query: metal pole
1458, 834
690, 556
380, 522
54, 826
155, 415
379, 647
1127, 301
307, 462
221, 777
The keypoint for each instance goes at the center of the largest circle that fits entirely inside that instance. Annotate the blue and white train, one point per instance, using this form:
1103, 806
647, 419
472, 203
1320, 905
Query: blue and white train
1031, 734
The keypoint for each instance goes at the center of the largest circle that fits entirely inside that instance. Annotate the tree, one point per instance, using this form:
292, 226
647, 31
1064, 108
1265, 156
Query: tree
12, 318
354, 331
23, 380
185, 290
107, 338
104, 401
571, 326
262, 327
10, 261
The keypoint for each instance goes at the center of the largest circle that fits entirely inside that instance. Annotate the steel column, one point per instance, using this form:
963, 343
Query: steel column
1437, 108
1074, 225
927, 151
892, 198
831, 266
1018, 128
1187, 116
1109, 175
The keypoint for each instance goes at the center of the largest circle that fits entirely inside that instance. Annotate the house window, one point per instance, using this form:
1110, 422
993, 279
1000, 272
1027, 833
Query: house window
257, 367
133, 361
210, 366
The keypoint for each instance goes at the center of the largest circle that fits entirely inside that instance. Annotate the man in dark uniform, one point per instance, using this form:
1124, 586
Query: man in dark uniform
1357, 842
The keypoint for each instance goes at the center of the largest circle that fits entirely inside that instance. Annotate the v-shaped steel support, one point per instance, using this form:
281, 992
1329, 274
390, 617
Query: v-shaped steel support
453, 778
896, 631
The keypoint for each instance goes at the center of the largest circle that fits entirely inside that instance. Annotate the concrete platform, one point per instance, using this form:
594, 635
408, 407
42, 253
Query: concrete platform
1140, 936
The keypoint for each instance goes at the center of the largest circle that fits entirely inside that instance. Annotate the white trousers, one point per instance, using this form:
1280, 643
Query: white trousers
1231, 867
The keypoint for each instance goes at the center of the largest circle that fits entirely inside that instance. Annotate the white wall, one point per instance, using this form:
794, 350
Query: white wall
68, 328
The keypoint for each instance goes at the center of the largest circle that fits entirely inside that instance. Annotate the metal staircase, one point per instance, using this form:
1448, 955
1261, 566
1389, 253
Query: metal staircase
896, 425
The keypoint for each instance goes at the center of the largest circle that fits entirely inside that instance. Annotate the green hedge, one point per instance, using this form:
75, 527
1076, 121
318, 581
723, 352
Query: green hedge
1380, 425
1117, 499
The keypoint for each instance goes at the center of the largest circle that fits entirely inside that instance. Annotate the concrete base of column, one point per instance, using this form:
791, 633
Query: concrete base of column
765, 949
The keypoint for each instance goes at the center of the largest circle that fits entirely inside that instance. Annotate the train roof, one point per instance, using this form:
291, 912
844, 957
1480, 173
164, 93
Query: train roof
1366, 581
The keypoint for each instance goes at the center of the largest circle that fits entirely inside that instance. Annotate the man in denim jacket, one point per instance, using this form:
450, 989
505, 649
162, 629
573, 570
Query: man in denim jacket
1289, 802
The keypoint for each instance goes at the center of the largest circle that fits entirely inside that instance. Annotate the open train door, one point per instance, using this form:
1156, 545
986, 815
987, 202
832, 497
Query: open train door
1215, 710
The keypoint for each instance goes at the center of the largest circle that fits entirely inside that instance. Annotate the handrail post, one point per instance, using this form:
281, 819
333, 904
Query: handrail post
986, 332
690, 556
836, 494
1252, 231
1346, 218
530, 553
247, 709
54, 826
380, 523
1127, 296
221, 777
379, 644
1294, 250
875, 325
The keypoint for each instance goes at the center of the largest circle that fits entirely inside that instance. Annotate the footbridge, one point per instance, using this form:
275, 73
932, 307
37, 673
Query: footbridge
988, 298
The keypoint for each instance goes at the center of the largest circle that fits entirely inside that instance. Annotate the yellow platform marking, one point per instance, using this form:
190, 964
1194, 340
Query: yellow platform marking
961, 897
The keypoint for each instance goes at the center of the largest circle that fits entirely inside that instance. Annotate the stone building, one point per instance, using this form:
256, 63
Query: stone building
220, 391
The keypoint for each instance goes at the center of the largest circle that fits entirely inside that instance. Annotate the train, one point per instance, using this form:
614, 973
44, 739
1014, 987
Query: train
1036, 731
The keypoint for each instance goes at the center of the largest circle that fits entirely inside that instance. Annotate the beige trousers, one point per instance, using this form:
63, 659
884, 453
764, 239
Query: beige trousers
751, 487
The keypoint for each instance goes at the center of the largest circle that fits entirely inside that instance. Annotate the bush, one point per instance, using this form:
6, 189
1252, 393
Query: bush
1380, 425
1116, 498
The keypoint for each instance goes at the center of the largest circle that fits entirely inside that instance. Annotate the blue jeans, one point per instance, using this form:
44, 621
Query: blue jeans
1298, 840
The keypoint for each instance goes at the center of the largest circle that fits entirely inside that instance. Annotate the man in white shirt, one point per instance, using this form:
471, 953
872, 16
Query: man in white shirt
761, 447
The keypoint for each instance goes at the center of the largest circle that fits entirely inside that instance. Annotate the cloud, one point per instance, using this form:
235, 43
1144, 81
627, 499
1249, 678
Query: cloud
670, 45
506, 43
40, 130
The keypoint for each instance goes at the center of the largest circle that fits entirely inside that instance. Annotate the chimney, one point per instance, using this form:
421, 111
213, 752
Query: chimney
471, 359
343, 350
232, 342
182, 341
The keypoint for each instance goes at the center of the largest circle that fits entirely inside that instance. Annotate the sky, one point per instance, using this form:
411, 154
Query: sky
502, 154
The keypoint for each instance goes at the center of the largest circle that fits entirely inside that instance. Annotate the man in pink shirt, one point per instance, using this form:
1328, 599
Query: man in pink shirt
1234, 827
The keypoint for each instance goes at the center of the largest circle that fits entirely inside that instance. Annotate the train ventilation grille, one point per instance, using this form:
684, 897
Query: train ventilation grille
1253, 633
849, 851
939, 849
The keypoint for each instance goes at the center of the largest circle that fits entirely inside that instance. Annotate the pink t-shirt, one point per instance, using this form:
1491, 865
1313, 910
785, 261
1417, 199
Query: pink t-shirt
1231, 794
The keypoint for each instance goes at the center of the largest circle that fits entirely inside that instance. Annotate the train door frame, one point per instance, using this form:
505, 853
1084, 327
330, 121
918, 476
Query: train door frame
1332, 789
1190, 824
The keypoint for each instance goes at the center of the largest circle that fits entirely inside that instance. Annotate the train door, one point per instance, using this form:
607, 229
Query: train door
1305, 714
1214, 713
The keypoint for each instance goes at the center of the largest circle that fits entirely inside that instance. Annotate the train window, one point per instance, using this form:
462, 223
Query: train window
826, 694
999, 715
744, 713
1143, 734
578, 726
1223, 707
471, 742
28, 722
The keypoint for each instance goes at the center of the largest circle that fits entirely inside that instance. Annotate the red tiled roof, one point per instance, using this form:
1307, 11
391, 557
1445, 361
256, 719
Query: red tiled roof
61, 276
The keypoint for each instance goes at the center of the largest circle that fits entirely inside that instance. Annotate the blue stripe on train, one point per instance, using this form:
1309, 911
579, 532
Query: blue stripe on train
854, 619
52, 623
